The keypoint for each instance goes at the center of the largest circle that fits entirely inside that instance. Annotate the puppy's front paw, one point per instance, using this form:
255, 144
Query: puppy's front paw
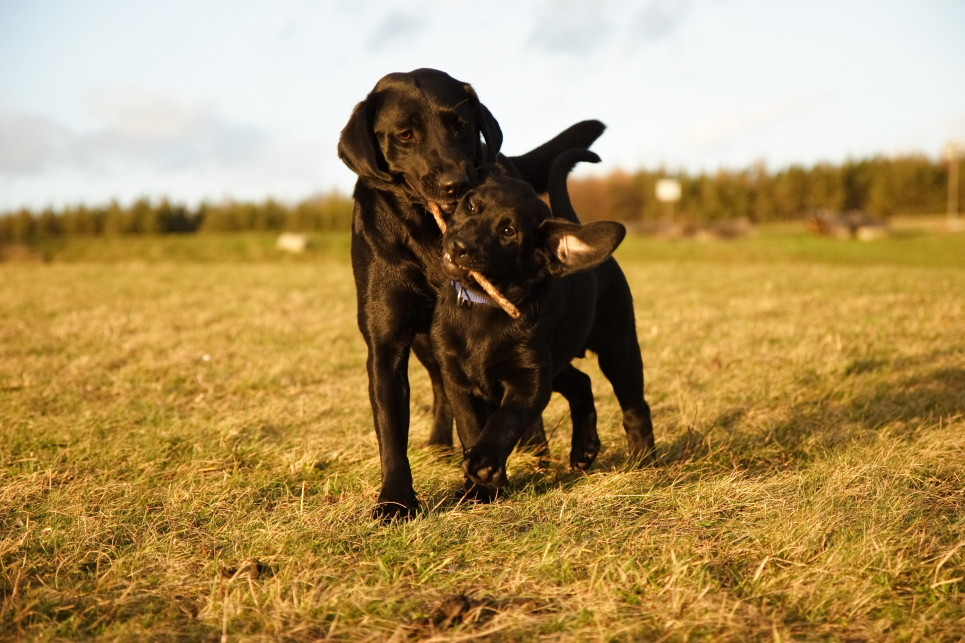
473, 493
483, 468
582, 460
584, 452
641, 451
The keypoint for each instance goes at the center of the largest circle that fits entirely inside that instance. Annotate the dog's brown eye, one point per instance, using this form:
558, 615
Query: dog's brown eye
405, 135
508, 232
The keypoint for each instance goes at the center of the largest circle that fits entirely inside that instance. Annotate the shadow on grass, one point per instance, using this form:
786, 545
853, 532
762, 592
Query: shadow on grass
873, 398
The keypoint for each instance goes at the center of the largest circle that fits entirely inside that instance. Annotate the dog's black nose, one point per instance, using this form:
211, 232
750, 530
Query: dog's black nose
453, 184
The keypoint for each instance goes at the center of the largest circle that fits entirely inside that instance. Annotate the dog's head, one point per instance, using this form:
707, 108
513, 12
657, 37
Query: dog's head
503, 230
421, 131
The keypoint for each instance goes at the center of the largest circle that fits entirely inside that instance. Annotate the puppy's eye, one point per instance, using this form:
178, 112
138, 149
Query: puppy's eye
508, 232
471, 205
406, 135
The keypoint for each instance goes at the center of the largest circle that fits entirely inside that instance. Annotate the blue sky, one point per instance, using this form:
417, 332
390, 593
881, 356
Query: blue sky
218, 99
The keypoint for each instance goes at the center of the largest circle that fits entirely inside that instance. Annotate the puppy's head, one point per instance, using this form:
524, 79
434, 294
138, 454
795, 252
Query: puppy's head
503, 230
421, 131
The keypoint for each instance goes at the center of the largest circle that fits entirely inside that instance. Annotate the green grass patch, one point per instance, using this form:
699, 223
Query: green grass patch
186, 452
905, 247
199, 247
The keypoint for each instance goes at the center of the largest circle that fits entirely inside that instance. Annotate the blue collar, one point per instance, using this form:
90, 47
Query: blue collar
467, 298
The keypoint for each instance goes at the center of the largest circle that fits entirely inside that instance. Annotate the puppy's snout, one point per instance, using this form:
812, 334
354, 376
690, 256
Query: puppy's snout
457, 247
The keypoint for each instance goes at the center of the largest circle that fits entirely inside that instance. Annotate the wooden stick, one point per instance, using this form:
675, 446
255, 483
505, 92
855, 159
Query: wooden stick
437, 215
487, 285
497, 296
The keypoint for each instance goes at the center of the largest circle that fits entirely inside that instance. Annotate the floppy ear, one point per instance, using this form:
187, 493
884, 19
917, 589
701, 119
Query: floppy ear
487, 125
572, 247
358, 147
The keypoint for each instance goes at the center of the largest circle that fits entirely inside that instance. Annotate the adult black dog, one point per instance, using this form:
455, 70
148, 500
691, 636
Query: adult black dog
415, 140
498, 371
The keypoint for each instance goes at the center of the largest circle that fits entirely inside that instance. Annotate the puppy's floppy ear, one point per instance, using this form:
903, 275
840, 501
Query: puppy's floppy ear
358, 148
572, 247
487, 124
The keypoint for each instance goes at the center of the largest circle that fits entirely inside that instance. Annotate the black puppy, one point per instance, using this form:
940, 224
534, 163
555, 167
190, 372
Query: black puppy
415, 139
499, 372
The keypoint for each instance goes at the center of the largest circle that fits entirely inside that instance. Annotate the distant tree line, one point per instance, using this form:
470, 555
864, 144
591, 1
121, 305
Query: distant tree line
328, 212
881, 187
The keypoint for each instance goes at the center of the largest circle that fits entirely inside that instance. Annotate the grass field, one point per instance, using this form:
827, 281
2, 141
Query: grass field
186, 452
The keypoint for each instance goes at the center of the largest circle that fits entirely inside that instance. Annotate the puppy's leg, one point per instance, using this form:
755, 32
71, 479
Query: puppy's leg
485, 462
441, 435
614, 340
471, 414
575, 386
621, 363
534, 440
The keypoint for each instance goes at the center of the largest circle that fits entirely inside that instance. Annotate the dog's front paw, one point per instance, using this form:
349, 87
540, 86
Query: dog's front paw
390, 510
483, 468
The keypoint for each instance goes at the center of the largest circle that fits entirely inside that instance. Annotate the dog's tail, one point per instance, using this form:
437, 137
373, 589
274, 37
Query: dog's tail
560, 202
534, 166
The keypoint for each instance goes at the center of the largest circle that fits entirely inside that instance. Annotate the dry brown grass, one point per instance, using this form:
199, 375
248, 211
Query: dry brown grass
187, 453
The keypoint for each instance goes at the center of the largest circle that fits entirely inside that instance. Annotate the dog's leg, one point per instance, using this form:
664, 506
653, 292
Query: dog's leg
441, 435
389, 393
387, 365
575, 386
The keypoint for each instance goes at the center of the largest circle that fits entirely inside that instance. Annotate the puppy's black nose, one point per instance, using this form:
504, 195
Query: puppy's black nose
456, 247
453, 183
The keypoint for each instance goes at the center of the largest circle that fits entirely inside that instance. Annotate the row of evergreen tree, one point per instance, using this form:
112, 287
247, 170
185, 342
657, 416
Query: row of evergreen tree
880, 187
329, 212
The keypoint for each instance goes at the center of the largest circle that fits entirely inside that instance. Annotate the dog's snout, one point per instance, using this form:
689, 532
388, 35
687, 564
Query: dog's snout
454, 183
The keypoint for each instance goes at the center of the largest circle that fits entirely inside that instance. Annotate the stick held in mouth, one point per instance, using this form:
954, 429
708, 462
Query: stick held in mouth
484, 283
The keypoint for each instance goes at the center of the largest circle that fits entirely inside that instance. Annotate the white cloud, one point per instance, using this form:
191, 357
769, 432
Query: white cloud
132, 129
396, 29
140, 114
156, 131
223, 98
145, 143
723, 128
30, 143
579, 28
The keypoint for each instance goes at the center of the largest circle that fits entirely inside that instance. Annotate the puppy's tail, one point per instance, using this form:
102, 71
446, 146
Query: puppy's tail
534, 166
559, 196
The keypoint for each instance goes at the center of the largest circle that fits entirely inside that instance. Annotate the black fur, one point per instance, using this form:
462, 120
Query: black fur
418, 137
499, 372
